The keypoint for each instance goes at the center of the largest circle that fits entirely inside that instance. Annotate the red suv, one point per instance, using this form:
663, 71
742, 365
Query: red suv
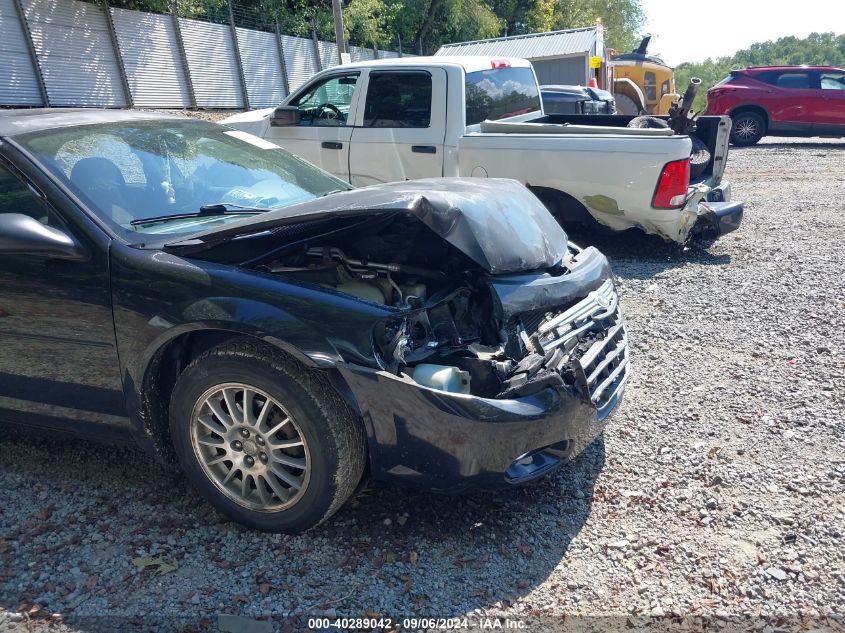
781, 101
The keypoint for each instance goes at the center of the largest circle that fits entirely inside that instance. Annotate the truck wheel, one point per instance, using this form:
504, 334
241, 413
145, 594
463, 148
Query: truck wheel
625, 105
748, 128
266, 441
699, 158
648, 123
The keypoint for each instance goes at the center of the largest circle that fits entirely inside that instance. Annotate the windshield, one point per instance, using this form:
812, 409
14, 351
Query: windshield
500, 93
130, 172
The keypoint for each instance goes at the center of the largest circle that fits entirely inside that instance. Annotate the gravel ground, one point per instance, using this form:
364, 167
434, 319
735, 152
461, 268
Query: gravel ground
718, 489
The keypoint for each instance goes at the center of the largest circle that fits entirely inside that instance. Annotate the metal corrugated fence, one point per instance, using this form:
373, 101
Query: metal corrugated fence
300, 60
211, 61
262, 67
73, 53
150, 53
18, 74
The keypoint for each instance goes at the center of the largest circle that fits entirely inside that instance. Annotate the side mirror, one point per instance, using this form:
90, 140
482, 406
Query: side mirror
284, 116
23, 235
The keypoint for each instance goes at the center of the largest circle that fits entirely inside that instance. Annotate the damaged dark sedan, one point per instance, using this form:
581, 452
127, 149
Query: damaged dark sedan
279, 335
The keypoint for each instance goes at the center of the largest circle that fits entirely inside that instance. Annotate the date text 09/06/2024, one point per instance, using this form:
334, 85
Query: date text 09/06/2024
412, 624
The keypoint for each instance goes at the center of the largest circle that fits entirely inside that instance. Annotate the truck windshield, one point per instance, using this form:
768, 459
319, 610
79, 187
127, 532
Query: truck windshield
499, 93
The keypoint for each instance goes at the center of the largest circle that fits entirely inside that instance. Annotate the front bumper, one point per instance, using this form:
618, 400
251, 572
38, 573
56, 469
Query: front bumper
447, 442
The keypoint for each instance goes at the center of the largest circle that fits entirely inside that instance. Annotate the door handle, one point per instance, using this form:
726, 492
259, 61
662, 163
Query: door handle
331, 145
424, 149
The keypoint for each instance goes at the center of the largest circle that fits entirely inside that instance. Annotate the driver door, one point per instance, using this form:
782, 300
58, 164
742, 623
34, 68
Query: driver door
58, 360
326, 111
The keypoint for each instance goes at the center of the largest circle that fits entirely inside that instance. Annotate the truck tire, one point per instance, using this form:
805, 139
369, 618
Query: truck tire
699, 157
648, 123
625, 105
748, 128
265, 440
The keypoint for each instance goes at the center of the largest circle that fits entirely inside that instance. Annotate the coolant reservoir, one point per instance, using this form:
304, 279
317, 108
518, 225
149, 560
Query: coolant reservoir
362, 289
440, 377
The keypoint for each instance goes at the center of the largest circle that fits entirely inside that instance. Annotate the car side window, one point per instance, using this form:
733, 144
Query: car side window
17, 197
398, 99
833, 81
794, 81
328, 102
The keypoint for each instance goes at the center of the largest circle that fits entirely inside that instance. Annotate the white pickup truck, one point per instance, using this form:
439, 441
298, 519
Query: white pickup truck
419, 117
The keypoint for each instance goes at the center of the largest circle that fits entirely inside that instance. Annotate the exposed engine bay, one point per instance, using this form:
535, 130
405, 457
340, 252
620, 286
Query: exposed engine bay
487, 298
451, 332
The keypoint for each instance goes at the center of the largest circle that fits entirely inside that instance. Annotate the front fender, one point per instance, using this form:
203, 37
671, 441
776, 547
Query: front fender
158, 297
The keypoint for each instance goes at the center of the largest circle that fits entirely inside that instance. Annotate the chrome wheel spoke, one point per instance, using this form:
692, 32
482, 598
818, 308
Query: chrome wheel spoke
262, 491
217, 460
287, 460
232, 472
285, 476
265, 412
224, 418
249, 401
277, 444
212, 424
211, 440
280, 491
232, 405
277, 428
245, 491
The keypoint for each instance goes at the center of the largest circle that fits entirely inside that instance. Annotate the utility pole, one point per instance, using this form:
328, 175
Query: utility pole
338, 30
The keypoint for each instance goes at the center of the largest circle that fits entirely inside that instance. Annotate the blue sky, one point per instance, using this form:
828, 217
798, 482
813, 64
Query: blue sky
693, 31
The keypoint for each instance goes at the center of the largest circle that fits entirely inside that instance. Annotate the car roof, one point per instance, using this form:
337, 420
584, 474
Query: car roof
755, 70
470, 63
14, 122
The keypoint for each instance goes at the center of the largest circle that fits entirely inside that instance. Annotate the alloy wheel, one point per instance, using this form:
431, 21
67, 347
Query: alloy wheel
746, 129
250, 447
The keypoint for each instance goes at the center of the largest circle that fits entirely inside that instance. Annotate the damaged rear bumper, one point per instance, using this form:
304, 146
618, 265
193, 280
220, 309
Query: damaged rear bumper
717, 218
708, 211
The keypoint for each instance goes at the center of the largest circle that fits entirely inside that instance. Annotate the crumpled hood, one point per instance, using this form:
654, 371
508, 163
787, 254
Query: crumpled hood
497, 223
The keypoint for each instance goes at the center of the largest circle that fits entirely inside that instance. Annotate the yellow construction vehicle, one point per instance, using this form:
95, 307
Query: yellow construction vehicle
642, 83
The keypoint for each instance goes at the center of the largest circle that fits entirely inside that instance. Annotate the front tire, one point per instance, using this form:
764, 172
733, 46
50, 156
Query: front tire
748, 128
265, 440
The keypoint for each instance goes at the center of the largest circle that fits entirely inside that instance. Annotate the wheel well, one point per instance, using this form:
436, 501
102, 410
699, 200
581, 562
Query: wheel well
752, 108
171, 360
160, 377
565, 208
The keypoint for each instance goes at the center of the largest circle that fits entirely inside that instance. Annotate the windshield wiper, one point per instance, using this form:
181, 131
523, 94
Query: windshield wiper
206, 210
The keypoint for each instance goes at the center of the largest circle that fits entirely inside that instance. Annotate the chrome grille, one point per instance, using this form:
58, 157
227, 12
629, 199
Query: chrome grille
592, 336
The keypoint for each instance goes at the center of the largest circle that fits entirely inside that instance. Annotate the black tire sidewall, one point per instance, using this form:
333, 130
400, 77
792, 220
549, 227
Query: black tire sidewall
699, 158
312, 507
761, 127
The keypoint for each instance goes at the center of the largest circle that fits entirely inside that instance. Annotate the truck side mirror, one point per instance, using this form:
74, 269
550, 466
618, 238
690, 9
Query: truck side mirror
284, 116
23, 235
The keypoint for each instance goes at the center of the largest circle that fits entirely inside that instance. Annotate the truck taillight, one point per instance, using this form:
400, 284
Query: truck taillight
500, 63
672, 185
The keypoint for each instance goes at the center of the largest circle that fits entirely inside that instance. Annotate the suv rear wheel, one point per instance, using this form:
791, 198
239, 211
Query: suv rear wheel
748, 128
266, 441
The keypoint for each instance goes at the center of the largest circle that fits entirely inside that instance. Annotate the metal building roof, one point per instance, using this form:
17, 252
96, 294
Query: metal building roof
531, 46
